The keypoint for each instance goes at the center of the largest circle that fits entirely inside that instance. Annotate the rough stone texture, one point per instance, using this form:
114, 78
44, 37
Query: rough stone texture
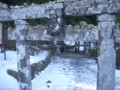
103, 18
32, 35
87, 49
24, 72
5, 15
71, 7
37, 11
88, 7
0, 33
87, 1
38, 35
106, 25
29, 12
81, 35
117, 25
117, 35
91, 36
56, 23
71, 34
117, 58
87, 35
106, 58
108, 1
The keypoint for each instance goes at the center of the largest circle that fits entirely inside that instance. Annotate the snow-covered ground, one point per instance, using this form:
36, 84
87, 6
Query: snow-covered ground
61, 74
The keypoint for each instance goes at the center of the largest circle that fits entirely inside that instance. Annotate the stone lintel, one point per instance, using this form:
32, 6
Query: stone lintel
106, 17
107, 1
72, 8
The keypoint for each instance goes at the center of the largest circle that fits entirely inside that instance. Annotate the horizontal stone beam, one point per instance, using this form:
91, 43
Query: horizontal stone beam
87, 35
30, 12
91, 1
5, 15
72, 8
36, 11
80, 8
71, 35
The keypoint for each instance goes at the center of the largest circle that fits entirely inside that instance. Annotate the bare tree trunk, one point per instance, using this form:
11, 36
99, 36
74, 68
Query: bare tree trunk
28, 1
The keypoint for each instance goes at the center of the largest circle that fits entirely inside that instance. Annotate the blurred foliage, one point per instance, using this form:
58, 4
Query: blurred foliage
118, 18
20, 2
8, 23
13, 2
76, 19
41, 21
42, 1
94, 52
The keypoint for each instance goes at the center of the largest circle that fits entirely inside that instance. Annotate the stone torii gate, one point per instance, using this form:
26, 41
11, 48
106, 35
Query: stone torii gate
105, 10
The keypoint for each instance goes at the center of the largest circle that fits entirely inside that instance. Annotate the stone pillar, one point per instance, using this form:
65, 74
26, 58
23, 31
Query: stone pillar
76, 47
24, 72
56, 23
86, 49
107, 55
0, 33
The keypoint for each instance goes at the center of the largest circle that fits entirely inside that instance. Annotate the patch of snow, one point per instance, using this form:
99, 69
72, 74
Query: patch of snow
41, 56
53, 73
61, 74
7, 82
81, 48
69, 43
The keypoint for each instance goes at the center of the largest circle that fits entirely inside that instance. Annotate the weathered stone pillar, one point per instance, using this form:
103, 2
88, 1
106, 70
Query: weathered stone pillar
56, 22
87, 49
0, 33
106, 58
24, 72
76, 50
